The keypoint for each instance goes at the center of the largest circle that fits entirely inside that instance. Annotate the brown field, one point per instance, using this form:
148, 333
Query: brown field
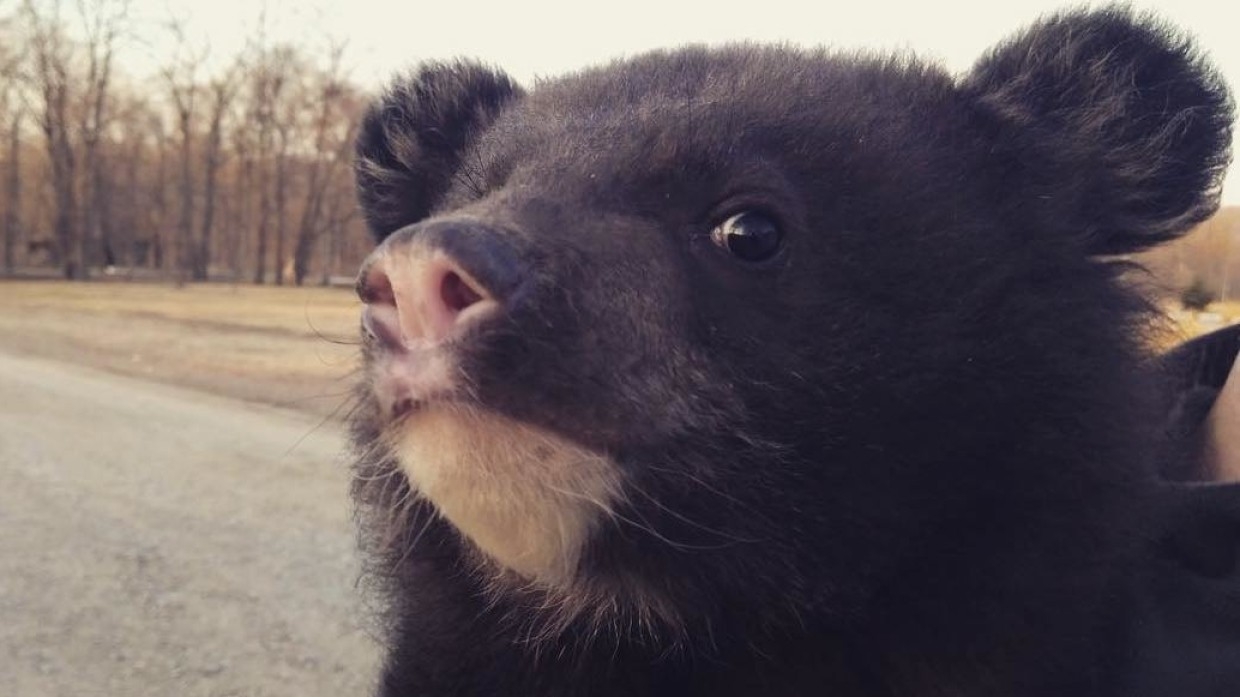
291, 347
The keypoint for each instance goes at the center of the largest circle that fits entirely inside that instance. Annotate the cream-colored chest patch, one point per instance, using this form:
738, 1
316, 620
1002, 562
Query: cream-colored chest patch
525, 497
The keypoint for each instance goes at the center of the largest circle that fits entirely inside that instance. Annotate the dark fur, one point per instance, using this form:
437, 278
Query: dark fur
905, 458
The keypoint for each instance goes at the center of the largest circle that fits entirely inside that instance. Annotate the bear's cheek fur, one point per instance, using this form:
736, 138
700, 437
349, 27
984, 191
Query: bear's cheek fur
526, 498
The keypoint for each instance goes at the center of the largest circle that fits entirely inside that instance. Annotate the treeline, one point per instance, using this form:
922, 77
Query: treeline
239, 172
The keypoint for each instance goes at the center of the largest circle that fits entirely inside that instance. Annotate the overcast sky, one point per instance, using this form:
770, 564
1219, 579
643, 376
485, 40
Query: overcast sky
546, 37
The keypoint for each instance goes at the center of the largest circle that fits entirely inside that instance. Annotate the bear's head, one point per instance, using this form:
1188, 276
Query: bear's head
752, 335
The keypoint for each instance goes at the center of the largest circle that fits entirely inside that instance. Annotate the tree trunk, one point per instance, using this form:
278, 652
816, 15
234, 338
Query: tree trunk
129, 225
202, 257
13, 195
264, 229
185, 227
243, 200
264, 195
104, 198
281, 208
307, 233
68, 252
159, 221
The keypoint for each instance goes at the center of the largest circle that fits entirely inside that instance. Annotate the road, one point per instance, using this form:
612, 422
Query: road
161, 541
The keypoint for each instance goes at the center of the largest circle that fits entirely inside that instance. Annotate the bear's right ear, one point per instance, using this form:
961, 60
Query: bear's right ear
412, 138
1115, 126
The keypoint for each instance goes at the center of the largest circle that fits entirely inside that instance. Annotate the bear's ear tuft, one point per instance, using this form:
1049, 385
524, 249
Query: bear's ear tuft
412, 138
1118, 128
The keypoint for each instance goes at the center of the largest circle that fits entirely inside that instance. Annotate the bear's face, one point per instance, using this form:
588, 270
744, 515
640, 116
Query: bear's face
753, 326
687, 295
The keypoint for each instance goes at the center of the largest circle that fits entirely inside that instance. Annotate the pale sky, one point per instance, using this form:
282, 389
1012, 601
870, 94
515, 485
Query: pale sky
545, 37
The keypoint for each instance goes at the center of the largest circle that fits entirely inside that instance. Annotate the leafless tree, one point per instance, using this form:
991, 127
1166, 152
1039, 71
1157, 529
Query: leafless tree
220, 93
51, 56
269, 84
12, 113
181, 81
129, 193
342, 211
163, 249
329, 156
13, 192
244, 143
103, 21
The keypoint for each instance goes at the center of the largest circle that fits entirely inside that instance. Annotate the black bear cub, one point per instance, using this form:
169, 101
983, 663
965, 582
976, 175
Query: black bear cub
769, 372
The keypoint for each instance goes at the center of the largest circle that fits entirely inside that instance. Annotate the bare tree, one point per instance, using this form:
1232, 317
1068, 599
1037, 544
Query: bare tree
51, 53
129, 191
342, 210
163, 252
13, 192
329, 155
103, 20
269, 86
12, 111
286, 63
244, 146
181, 81
220, 92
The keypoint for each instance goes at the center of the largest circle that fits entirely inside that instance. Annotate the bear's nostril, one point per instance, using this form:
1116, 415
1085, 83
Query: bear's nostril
457, 293
374, 286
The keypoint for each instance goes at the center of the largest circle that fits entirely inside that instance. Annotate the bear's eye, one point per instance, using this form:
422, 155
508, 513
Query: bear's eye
748, 236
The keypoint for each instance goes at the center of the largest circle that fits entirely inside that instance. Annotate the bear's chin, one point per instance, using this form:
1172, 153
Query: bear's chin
526, 498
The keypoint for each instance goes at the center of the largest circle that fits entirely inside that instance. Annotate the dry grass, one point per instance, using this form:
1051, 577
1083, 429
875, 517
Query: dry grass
289, 346
295, 310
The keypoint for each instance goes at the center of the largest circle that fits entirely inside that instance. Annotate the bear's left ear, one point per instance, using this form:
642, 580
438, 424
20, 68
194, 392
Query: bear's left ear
411, 140
1116, 127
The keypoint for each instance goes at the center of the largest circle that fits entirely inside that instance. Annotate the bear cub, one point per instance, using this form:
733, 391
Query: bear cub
772, 372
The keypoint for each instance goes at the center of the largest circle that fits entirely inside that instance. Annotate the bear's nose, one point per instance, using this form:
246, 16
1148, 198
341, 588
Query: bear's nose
426, 284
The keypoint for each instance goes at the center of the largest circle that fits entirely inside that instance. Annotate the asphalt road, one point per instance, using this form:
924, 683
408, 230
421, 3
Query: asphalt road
160, 541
